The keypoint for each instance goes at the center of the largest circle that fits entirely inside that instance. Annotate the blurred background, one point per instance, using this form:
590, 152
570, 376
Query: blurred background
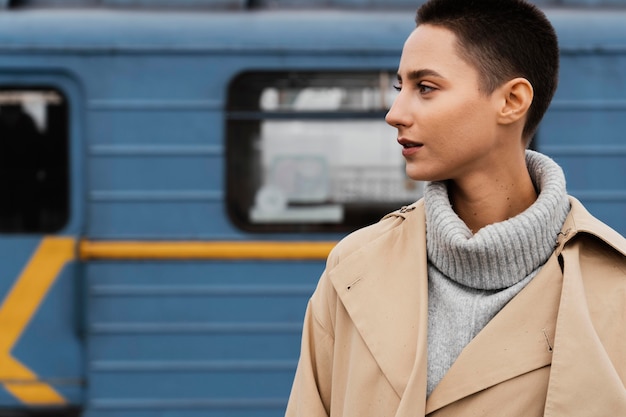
174, 174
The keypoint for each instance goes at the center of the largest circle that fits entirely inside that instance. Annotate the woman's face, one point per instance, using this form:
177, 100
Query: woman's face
447, 127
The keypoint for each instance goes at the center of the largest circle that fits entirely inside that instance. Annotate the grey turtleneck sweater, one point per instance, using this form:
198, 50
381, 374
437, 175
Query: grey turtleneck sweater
472, 276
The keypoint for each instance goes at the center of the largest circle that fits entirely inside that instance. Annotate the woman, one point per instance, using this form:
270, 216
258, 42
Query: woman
497, 294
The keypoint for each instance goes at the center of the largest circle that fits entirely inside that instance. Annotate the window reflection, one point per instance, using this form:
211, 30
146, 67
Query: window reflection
33, 160
311, 151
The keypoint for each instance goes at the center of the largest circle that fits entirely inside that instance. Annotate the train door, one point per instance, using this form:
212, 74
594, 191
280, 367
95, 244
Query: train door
40, 342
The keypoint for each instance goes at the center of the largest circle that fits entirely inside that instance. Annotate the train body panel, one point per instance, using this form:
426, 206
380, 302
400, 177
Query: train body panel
222, 337
165, 286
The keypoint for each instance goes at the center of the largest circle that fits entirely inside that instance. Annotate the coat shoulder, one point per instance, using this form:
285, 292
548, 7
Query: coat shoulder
602, 250
362, 237
582, 225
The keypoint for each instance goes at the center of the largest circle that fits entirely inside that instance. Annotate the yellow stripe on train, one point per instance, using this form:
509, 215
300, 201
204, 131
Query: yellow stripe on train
17, 310
204, 250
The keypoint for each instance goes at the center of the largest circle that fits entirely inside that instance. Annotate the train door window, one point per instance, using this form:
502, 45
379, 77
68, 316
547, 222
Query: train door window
34, 184
310, 151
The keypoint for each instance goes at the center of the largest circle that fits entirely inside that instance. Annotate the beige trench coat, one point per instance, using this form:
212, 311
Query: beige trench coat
557, 349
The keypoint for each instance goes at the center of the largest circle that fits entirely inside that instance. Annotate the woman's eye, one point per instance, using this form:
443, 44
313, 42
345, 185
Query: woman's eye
424, 89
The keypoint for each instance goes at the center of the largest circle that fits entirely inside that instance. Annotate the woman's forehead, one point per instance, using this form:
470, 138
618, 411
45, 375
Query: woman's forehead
432, 49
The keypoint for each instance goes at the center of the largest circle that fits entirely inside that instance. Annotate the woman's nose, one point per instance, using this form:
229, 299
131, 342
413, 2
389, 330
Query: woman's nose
397, 115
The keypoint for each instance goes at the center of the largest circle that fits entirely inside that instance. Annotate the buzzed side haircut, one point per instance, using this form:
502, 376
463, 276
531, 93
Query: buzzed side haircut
502, 39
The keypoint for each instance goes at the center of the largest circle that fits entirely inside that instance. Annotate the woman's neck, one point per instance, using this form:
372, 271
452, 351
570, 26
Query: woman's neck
492, 196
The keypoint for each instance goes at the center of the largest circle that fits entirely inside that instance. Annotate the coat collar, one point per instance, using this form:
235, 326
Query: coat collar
387, 301
382, 296
580, 221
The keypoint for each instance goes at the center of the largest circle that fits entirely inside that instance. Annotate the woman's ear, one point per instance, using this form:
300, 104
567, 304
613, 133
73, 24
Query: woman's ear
517, 97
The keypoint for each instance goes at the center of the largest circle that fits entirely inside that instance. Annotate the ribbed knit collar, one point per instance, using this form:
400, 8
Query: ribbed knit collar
501, 254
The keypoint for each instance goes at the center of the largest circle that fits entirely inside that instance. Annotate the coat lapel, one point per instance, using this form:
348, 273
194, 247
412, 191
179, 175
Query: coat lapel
383, 286
584, 380
516, 341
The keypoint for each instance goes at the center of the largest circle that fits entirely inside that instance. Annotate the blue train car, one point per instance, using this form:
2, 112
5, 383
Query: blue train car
173, 179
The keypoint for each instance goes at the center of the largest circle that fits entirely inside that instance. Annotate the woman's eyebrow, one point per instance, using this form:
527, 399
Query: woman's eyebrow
421, 73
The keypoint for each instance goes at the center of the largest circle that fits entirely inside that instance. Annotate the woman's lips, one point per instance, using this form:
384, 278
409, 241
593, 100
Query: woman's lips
409, 147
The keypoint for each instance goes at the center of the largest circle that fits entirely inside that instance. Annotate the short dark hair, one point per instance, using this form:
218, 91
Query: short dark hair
503, 39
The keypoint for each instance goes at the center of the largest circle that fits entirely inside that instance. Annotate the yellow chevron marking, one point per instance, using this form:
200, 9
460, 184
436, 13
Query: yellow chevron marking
18, 308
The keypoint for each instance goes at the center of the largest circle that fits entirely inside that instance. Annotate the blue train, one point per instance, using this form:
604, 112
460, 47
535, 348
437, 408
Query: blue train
174, 174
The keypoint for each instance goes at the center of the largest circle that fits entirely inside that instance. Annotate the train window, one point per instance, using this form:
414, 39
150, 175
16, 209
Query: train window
34, 184
310, 151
